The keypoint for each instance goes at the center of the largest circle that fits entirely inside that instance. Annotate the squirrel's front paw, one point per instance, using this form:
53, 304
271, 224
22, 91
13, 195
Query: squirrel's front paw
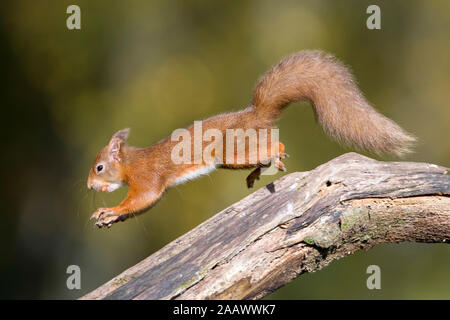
106, 217
101, 212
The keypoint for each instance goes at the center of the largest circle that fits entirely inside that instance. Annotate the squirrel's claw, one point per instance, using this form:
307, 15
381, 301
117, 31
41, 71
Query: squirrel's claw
100, 212
105, 217
107, 221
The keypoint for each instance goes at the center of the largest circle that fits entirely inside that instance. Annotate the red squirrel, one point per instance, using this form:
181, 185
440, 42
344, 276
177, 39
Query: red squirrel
313, 76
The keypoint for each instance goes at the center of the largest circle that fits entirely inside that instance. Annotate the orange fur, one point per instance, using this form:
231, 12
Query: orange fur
309, 75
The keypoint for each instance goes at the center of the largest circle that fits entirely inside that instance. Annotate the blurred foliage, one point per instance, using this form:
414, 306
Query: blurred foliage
156, 66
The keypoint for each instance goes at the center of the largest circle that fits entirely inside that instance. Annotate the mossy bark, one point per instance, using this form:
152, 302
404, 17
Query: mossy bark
298, 224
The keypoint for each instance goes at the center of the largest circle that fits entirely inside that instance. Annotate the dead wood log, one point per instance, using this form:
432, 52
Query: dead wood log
299, 223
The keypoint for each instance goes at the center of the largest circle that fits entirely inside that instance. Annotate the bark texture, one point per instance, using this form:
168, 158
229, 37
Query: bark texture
299, 223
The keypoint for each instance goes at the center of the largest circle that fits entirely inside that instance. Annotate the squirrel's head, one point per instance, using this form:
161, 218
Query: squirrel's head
106, 173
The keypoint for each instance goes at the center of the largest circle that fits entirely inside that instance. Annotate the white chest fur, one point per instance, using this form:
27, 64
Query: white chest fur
193, 174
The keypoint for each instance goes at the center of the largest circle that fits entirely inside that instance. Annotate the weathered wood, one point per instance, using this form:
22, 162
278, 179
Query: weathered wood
298, 224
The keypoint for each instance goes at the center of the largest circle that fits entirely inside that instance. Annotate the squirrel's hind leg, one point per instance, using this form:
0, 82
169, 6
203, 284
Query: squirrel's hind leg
276, 161
280, 155
254, 175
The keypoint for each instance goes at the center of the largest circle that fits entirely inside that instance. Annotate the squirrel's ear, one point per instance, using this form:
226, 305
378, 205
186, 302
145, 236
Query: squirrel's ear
119, 138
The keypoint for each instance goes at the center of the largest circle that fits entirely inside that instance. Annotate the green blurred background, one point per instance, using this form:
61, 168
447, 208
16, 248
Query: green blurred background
155, 66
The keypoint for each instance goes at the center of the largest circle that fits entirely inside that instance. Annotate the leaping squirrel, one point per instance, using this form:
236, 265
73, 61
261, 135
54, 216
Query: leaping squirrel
314, 76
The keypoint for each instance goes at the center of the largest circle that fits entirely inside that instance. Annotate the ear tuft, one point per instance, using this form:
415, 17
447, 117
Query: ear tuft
119, 138
122, 134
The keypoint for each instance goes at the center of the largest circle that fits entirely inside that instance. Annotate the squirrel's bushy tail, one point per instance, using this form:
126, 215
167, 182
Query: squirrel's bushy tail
339, 105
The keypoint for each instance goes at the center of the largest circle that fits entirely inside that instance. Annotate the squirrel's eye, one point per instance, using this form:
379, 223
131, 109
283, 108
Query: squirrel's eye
99, 168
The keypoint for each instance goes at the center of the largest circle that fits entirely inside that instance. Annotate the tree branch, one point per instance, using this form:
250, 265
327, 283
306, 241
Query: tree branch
298, 224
